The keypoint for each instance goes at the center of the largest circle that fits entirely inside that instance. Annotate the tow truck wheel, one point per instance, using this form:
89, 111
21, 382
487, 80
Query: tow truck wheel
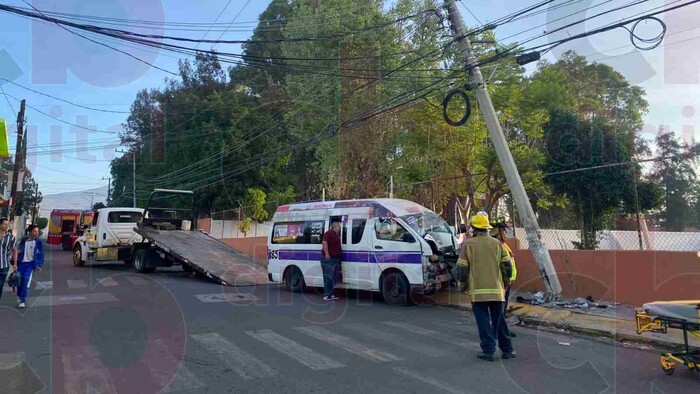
395, 289
78, 256
294, 280
141, 258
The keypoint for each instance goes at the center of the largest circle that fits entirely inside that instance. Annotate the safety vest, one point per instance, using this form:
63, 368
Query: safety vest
484, 257
512, 261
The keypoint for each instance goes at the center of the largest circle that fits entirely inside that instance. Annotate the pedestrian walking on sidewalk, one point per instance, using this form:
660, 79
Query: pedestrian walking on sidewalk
31, 257
484, 269
8, 252
330, 261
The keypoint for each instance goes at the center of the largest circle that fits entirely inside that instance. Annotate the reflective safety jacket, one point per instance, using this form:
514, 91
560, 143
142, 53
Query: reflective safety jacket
512, 262
482, 267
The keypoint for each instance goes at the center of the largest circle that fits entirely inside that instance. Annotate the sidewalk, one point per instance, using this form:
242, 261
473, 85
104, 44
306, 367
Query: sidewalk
619, 324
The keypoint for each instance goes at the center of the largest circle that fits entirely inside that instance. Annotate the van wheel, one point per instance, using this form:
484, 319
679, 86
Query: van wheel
396, 289
78, 256
141, 260
294, 280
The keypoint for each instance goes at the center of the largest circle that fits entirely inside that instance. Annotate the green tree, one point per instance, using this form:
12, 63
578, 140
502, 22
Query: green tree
98, 205
594, 194
255, 203
42, 223
677, 177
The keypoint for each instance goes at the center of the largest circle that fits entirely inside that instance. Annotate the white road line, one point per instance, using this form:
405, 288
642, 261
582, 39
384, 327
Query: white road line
45, 284
136, 281
396, 340
184, 380
89, 298
81, 370
347, 344
77, 284
244, 364
446, 337
300, 353
11, 360
434, 383
108, 282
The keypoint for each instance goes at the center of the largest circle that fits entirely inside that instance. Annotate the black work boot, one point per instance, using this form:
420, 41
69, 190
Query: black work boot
486, 356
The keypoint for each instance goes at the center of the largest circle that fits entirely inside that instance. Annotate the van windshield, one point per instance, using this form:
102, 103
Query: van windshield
426, 222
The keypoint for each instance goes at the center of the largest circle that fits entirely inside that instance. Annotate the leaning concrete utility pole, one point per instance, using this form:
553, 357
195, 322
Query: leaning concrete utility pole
527, 214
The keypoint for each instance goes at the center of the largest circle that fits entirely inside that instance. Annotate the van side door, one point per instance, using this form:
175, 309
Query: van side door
394, 246
357, 272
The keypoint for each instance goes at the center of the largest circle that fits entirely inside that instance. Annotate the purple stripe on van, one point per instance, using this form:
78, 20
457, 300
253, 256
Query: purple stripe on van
355, 257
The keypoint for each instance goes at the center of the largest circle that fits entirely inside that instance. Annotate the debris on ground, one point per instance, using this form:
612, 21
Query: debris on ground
538, 298
565, 343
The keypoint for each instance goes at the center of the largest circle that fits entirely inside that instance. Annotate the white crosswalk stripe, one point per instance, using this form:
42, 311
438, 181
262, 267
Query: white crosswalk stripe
441, 336
347, 344
300, 353
396, 340
184, 380
136, 280
434, 383
108, 282
241, 362
77, 284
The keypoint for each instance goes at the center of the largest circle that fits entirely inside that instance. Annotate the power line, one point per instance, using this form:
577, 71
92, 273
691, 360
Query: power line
64, 100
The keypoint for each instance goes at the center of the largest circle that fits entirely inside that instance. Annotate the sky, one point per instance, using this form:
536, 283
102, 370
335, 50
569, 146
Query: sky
46, 58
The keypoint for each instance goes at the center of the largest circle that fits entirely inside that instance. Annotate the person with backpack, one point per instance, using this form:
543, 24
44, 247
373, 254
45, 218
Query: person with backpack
31, 257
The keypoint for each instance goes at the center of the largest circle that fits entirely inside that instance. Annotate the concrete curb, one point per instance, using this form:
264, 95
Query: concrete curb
589, 325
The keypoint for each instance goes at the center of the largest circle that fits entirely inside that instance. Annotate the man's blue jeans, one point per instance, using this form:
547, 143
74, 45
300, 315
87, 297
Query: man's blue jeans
491, 321
331, 269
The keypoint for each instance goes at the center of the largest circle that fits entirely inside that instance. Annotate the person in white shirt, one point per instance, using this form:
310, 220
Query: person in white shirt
31, 257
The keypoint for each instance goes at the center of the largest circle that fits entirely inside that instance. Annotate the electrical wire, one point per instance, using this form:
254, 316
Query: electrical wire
63, 100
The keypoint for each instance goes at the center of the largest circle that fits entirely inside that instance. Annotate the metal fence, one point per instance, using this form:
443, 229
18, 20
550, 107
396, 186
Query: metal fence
618, 240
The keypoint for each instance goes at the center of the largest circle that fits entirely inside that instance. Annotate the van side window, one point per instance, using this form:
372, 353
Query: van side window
310, 232
358, 229
288, 233
314, 232
389, 230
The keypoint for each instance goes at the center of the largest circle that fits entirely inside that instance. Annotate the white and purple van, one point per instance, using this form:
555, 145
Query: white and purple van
392, 246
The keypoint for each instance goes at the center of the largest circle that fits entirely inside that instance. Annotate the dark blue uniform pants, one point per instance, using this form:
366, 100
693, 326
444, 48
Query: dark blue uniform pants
491, 321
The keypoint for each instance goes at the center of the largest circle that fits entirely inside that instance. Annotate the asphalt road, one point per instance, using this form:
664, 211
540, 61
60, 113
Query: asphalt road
105, 329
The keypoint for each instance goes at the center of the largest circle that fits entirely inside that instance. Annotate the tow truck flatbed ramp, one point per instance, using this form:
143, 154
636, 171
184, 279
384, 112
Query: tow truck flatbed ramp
208, 256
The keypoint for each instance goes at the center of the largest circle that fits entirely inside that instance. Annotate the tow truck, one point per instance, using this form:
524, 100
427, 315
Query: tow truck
107, 235
170, 238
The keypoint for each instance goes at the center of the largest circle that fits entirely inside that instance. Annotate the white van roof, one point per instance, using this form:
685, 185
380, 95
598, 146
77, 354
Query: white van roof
396, 206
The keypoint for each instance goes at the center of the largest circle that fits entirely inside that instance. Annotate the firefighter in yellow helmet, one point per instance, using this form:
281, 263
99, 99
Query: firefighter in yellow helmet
484, 270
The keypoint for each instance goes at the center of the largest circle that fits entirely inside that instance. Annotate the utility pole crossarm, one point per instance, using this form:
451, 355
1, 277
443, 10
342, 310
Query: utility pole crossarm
527, 214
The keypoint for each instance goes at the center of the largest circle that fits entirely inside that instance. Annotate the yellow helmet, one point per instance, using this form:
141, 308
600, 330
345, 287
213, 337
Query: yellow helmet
480, 221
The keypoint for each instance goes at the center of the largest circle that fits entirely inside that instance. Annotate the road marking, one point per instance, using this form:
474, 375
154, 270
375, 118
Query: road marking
302, 354
446, 337
372, 332
242, 363
135, 280
48, 284
90, 298
77, 284
82, 369
429, 381
227, 297
347, 344
184, 380
108, 282
11, 360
